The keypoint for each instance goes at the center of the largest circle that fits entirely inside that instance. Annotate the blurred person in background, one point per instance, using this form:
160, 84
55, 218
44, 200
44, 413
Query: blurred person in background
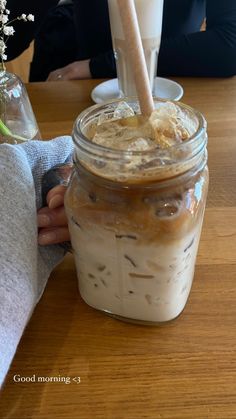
73, 39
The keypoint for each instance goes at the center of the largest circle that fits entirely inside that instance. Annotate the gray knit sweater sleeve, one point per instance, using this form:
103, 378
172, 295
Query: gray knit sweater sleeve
24, 266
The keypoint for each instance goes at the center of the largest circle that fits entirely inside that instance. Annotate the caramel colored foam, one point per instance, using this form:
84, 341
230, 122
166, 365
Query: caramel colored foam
161, 216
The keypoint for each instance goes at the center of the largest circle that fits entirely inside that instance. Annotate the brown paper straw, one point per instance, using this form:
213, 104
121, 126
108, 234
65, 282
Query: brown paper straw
137, 58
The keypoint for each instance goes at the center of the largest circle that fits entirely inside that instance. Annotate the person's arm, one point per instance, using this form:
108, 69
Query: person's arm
25, 33
94, 56
94, 37
24, 266
98, 67
211, 53
103, 65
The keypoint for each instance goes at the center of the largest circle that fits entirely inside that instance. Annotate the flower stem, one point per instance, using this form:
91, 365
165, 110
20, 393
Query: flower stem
2, 66
7, 133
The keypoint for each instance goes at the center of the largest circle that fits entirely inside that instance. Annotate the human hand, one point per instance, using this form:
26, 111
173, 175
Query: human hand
52, 221
74, 71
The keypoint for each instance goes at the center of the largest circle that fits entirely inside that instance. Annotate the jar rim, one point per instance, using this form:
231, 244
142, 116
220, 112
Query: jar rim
80, 139
138, 166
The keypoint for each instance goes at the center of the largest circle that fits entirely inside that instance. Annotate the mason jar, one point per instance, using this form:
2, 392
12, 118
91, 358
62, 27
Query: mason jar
135, 219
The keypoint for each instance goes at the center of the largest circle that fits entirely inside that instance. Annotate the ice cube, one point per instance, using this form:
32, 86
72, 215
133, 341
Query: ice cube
104, 117
187, 124
106, 134
141, 144
171, 125
123, 110
119, 134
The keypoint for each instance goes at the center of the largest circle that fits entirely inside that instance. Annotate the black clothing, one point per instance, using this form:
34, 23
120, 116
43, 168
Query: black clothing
185, 51
55, 45
25, 32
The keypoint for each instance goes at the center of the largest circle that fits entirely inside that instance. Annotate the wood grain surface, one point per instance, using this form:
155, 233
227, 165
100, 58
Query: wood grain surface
183, 370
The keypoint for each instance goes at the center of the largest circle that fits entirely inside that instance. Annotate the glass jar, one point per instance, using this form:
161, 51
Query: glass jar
149, 16
135, 221
17, 120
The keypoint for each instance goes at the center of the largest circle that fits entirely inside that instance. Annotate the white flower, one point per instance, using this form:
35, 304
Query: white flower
30, 18
3, 4
2, 46
8, 30
4, 19
23, 17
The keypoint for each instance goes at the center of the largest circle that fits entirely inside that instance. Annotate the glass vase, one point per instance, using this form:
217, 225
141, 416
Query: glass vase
17, 120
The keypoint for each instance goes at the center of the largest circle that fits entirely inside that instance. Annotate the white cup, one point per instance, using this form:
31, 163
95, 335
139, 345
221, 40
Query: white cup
149, 14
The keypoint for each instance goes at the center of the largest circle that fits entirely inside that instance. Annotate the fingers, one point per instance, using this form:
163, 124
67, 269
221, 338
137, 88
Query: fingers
55, 196
54, 235
60, 74
73, 71
56, 75
52, 218
52, 223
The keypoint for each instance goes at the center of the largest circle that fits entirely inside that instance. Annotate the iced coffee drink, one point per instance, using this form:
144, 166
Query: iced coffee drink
135, 207
149, 14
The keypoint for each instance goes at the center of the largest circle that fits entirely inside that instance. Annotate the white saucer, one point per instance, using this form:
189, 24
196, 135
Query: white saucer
163, 88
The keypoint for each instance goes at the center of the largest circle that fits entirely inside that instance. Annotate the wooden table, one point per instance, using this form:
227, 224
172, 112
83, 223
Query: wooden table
186, 369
